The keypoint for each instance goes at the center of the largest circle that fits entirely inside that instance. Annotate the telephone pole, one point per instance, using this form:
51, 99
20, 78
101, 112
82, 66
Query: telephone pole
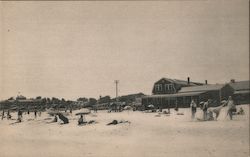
116, 89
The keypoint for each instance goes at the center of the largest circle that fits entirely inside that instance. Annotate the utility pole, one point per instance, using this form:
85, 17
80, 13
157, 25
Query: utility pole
116, 89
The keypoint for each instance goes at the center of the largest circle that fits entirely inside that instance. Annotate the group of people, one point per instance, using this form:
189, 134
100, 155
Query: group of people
208, 114
19, 114
8, 114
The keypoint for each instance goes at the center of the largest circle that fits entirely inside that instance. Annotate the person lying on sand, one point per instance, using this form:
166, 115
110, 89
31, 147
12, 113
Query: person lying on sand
115, 122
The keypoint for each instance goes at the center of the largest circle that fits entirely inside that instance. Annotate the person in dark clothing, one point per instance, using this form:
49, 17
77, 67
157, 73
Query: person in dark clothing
8, 115
63, 118
3, 115
19, 116
35, 113
114, 122
55, 119
81, 120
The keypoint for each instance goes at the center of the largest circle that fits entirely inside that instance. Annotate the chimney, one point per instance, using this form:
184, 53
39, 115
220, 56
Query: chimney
232, 81
205, 81
188, 79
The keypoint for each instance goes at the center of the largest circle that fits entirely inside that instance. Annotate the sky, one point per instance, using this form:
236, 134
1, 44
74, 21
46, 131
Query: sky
78, 48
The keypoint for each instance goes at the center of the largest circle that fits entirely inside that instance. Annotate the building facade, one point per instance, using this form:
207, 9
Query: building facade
169, 93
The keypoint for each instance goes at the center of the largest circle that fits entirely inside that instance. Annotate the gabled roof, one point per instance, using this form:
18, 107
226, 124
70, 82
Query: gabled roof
241, 85
181, 82
201, 88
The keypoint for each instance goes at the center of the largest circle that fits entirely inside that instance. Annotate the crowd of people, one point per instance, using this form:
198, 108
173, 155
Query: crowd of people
208, 112
206, 107
19, 114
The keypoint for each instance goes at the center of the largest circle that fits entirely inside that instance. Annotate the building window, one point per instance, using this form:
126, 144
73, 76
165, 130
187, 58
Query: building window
170, 87
160, 87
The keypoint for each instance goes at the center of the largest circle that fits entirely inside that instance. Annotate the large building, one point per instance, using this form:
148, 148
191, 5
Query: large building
171, 92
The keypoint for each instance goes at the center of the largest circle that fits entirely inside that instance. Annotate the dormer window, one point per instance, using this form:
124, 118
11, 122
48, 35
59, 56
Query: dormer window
158, 87
169, 87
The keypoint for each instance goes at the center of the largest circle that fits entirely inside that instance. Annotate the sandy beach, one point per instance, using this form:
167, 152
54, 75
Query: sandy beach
148, 135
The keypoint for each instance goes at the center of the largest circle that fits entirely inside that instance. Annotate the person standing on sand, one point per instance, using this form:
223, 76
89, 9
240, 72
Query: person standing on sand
8, 115
2, 114
204, 108
176, 106
231, 107
19, 115
193, 107
35, 113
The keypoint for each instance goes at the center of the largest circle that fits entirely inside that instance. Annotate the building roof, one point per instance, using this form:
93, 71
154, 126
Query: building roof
242, 92
174, 95
201, 88
182, 82
241, 85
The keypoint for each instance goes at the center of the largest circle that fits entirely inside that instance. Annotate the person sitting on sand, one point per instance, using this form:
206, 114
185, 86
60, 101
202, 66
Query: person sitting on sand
81, 120
241, 111
210, 115
55, 119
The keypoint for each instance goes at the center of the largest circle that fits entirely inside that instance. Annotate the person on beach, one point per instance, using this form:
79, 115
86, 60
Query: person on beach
241, 111
176, 106
204, 108
81, 120
39, 113
35, 113
19, 116
8, 115
193, 107
231, 107
55, 119
3, 115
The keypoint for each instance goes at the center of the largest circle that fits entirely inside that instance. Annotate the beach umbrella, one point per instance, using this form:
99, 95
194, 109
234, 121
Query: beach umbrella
83, 111
127, 108
151, 106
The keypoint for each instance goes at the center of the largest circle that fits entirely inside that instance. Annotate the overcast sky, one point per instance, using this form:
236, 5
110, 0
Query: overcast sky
73, 49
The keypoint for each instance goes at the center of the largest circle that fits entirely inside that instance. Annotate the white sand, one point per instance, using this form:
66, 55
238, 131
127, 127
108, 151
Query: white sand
146, 136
